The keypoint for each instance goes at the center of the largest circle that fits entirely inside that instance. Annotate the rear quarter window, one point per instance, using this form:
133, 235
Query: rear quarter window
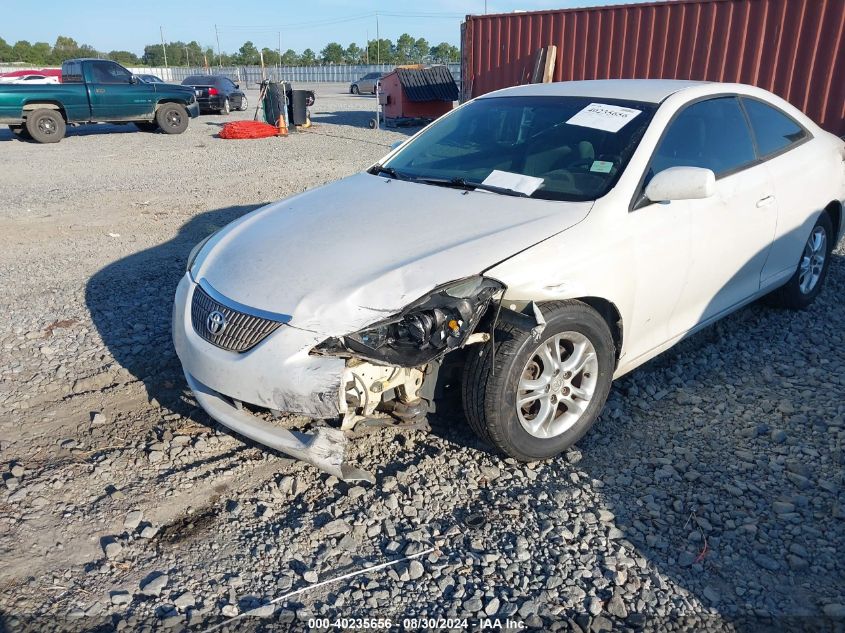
774, 130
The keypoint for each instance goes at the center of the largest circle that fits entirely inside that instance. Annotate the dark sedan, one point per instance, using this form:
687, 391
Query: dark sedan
216, 93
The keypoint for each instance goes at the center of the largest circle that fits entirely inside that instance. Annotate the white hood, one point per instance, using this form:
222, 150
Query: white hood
350, 253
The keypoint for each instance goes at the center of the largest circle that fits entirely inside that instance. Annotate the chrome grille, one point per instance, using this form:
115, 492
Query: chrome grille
242, 331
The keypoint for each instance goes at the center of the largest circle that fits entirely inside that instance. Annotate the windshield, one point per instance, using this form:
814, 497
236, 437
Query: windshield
572, 148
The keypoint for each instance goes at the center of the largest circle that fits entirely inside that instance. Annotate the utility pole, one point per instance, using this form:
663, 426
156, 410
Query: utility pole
367, 48
378, 43
187, 57
163, 48
217, 35
279, 78
485, 7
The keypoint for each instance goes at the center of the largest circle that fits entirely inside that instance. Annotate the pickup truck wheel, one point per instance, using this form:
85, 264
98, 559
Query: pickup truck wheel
46, 126
172, 118
806, 284
146, 126
542, 395
20, 131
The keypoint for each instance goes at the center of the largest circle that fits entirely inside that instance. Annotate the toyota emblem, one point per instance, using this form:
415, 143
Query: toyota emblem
216, 322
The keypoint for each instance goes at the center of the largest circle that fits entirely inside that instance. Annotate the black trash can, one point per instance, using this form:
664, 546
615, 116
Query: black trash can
299, 107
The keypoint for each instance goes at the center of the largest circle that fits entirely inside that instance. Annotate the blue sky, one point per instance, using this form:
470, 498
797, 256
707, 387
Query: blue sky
110, 25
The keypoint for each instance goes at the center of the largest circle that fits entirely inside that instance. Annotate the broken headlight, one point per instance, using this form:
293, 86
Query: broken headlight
436, 324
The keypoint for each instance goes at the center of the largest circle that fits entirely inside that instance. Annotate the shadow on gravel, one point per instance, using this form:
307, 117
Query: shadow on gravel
82, 130
722, 463
131, 302
359, 118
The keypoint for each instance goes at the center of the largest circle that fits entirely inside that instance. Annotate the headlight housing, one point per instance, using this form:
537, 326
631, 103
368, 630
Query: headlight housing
195, 251
424, 331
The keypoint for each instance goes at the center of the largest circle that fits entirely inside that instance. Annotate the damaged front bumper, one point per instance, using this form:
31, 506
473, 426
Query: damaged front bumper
325, 448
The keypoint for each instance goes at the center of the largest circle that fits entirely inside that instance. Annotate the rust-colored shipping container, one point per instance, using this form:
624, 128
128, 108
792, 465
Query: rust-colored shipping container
793, 48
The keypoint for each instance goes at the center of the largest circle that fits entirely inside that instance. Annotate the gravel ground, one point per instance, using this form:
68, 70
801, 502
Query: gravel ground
708, 496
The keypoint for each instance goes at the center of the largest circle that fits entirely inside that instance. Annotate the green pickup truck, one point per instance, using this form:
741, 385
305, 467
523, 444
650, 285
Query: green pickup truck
95, 91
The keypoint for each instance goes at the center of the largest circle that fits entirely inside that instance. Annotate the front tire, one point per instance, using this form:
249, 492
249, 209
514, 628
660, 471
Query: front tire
46, 126
354, 89
543, 395
227, 108
806, 284
244, 104
172, 118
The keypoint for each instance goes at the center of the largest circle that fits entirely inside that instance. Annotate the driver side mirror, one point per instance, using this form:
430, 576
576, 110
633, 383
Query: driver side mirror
237, 85
681, 183
134, 79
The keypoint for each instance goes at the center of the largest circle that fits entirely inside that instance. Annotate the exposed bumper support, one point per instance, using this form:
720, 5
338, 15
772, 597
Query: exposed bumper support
324, 448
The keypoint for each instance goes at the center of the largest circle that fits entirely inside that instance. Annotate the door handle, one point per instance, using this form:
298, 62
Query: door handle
765, 202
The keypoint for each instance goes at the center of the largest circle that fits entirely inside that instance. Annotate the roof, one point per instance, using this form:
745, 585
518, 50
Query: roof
646, 90
428, 84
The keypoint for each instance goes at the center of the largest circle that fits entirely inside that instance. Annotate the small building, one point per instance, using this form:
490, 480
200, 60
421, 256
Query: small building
411, 95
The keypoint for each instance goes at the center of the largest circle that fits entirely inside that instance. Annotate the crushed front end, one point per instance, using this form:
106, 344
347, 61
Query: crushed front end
234, 354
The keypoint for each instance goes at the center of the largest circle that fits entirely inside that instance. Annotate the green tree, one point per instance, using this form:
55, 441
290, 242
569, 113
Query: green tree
65, 48
354, 54
247, 54
290, 58
333, 53
21, 51
404, 48
153, 55
381, 51
271, 57
5, 51
445, 53
421, 49
40, 54
308, 58
126, 58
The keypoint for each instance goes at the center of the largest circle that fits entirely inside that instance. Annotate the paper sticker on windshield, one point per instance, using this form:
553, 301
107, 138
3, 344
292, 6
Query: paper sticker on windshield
602, 166
601, 116
514, 182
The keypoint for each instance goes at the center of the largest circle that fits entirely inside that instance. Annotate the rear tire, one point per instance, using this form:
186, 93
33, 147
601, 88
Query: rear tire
573, 397
806, 284
46, 126
172, 118
147, 126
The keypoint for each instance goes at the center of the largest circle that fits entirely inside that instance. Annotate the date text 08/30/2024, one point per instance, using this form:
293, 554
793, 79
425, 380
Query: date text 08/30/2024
494, 624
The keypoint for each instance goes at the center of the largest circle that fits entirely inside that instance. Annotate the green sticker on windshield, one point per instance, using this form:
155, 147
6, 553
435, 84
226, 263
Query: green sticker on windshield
603, 166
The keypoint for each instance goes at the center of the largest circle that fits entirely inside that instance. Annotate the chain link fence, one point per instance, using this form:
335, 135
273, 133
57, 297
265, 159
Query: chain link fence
250, 76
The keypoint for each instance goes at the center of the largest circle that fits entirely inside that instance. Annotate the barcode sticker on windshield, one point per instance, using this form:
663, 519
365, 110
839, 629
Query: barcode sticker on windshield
601, 116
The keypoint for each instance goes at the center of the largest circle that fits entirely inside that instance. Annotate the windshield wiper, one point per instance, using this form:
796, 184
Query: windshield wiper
468, 184
378, 169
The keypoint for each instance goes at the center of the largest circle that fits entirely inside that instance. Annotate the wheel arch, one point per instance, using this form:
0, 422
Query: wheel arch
610, 313
44, 105
834, 210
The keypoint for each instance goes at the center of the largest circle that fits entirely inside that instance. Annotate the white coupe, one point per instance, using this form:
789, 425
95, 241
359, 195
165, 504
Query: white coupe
545, 239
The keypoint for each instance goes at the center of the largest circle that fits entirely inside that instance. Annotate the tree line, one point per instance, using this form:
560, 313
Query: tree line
406, 49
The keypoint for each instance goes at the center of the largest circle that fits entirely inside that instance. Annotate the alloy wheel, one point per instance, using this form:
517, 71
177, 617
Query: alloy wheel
557, 384
812, 260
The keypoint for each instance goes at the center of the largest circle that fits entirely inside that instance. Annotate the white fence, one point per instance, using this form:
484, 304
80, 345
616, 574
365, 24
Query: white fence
250, 76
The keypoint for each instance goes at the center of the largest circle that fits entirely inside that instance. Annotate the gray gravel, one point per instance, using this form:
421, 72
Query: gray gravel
709, 494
